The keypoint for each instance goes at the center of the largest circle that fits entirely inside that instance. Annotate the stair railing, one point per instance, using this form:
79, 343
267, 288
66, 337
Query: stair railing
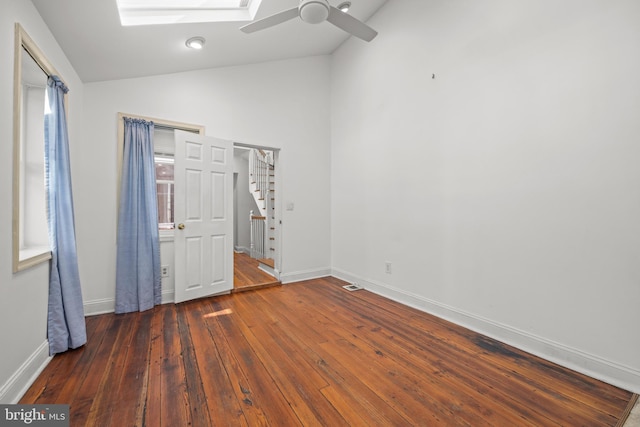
258, 228
259, 170
262, 226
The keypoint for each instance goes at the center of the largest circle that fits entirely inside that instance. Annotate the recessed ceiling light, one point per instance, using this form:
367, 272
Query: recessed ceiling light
344, 6
195, 43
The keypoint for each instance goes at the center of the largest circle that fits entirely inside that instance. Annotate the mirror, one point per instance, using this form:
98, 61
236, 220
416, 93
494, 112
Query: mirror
30, 231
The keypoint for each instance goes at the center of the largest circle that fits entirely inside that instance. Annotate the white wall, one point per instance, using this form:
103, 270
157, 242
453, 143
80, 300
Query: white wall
280, 104
23, 296
505, 191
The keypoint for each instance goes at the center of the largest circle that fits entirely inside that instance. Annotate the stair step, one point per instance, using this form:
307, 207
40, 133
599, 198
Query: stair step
267, 261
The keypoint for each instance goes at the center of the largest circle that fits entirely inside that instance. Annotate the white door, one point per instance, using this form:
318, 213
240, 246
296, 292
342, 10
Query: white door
203, 176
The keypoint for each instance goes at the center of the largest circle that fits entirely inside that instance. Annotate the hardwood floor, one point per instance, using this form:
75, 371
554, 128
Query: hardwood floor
311, 354
247, 275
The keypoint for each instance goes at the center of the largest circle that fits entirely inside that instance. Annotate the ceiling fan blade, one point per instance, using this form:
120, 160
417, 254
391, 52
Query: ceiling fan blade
270, 21
351, 25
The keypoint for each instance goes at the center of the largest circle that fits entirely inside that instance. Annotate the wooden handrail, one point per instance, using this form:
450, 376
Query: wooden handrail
256, 217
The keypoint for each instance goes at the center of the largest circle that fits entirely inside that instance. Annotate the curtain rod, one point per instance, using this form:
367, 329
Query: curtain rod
164, 124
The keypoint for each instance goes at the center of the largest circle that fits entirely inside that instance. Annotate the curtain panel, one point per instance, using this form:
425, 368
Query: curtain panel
138, 276
66, 326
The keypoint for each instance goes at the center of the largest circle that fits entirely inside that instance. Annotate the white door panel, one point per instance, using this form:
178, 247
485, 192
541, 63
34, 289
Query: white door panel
203, 204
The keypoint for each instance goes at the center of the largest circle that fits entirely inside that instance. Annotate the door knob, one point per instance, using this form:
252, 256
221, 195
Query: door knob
181, 226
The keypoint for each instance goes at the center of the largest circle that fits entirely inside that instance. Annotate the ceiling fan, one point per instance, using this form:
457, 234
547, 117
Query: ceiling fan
315, 12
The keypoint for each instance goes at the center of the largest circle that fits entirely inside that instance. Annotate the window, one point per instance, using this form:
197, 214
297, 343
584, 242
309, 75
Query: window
34, 238
165, 190
164, 149
30, 230
149, 12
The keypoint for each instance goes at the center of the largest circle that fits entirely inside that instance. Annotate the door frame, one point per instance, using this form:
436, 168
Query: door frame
278, 260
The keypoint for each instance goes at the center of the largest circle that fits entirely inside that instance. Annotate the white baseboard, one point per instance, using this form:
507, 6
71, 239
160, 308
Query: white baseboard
99, 306
21, 380
596, 367
168, 296
298, 276
107, 305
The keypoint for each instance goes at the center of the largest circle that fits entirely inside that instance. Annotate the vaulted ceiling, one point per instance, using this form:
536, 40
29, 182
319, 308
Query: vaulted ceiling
100, 48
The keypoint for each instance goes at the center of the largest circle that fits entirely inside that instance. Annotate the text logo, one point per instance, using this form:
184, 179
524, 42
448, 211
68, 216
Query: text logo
34, 415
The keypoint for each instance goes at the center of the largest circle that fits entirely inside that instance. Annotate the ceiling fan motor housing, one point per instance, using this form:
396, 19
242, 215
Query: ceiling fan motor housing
314, 11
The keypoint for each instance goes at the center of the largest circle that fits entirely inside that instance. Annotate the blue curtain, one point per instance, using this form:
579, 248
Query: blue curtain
66, 326
138, 280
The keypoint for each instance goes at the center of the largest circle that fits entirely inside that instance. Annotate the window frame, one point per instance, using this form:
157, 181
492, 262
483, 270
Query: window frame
178, 12
24, 258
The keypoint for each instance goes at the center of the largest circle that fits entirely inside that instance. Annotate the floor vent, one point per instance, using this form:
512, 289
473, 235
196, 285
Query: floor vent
353, 287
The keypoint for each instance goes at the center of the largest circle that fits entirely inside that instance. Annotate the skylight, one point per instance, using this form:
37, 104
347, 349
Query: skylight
150, 12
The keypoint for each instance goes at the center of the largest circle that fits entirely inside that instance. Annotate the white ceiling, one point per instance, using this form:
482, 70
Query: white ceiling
99, 48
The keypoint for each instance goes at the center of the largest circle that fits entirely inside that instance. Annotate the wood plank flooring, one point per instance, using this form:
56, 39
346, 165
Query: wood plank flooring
248, 276
311, 354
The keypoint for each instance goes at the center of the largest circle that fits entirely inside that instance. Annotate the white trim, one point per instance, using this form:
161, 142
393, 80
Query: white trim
18, 384
258, 146
270, 271
298, 276
99, 306
108, 305
168, 296
166, 236
594, 366
22, 42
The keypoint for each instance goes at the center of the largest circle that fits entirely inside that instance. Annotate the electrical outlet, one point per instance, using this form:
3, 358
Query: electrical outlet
387, 267
164, 270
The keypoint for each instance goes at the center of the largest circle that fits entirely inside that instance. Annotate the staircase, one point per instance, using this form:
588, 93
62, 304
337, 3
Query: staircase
263, 227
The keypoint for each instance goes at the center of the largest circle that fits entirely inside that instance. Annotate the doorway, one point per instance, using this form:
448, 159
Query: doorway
256, 217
